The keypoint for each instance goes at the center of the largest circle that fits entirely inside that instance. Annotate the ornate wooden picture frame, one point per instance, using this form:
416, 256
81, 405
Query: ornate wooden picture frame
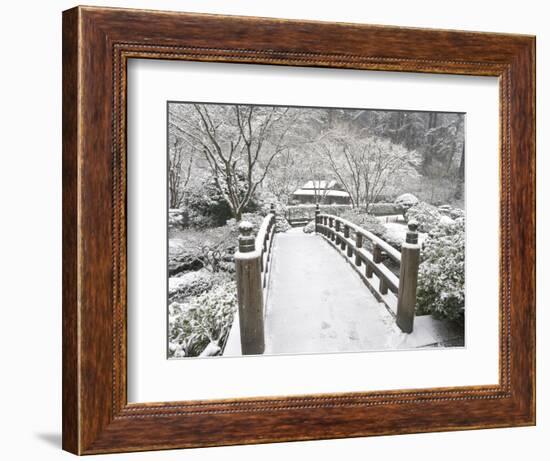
97, 44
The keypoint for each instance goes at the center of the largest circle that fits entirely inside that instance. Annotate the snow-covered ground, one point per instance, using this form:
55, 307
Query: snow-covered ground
398, 231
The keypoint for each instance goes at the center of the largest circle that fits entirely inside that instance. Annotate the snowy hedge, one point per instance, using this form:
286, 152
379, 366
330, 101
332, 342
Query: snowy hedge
440, 289
204, 322
177, 218
427, 216
453, 213
193, 283
366, 221
384, 208
309, 227
405, 201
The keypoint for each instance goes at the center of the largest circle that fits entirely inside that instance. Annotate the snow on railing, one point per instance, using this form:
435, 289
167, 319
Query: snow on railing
349, 238
252, 270
263, 244
300, 215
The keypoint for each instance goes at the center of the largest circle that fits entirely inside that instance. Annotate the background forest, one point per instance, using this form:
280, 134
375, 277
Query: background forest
231, 162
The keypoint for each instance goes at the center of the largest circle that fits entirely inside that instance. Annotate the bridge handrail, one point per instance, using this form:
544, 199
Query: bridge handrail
385, 246
263, 244
252, 270
264, 231
408, 258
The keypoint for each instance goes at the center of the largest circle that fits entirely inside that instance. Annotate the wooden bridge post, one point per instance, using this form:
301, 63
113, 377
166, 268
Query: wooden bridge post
350, 247
377, 259
248, 264
408, 277
377, 254
272, 224
383, 287
342, 240
317, 212
358, 246
337, 230
368, 270
331, 225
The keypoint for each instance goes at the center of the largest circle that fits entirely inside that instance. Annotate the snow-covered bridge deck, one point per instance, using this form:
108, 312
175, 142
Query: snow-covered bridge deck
317, 304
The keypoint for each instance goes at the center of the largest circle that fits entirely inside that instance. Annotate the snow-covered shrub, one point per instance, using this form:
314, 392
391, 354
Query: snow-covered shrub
450, 211
193, 283
205, 320
446, 220
456, 213
441, 274
364, 220
309, 227
267, 200
404, 202
194, 249
384, 208
264, 202
177, 218
394, 238
281, 224
207, 206
183, 258
427, 216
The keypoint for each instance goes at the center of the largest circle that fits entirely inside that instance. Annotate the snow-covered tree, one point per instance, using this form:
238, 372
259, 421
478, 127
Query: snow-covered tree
366, 165
236, 142
180, 164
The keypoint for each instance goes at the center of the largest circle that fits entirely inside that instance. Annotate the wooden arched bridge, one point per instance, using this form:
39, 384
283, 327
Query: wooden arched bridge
329, 291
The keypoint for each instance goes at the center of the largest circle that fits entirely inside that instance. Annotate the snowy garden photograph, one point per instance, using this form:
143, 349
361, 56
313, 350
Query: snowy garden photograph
304, 230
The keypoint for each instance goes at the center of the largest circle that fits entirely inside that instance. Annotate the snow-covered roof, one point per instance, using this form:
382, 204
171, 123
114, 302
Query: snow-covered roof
319, 184
328, 193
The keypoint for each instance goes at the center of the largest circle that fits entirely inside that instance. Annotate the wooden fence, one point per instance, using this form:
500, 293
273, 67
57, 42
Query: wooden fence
363, 248
252, 263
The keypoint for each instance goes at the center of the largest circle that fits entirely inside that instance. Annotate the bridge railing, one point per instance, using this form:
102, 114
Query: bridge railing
252, 264
300, 215
363, 248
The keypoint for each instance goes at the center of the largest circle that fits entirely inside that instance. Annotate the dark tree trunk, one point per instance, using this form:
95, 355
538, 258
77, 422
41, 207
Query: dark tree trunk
460, 185
428, 151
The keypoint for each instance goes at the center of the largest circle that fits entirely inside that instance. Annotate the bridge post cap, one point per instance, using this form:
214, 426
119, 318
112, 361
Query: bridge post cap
316, 207
413, 225
272, 207
246, 239
246, 228
412, 233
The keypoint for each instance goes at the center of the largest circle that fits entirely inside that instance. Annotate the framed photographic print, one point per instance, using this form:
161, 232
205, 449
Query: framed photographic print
284, 230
